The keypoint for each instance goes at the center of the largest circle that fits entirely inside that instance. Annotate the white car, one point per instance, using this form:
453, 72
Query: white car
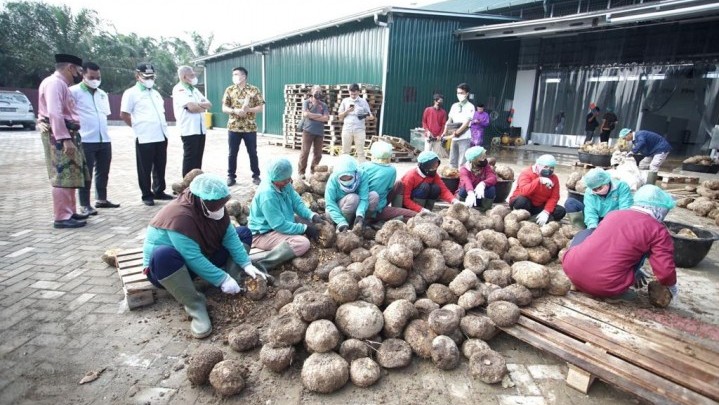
15, 109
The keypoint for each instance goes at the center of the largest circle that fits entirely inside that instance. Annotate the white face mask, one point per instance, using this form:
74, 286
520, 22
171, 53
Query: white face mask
93, 84
236, 79
193, 81
216, 215
461, 97
148, 83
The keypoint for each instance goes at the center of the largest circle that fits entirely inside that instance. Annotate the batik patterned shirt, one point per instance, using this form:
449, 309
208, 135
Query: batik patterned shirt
237, 97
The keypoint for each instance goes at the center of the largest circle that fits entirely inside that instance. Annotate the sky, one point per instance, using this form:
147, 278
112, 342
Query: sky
239, 22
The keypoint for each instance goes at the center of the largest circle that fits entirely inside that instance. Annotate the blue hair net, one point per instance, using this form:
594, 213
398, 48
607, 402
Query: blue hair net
280, 169
474, 152
546, 160
596, 177
381, 150
653, 196
209, 187
427, 156
624, 132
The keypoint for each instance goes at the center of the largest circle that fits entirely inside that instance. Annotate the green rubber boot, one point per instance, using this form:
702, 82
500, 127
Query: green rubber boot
275, 257
577, 219
652, 177
179, 285
420, 201
430, 204
485, 204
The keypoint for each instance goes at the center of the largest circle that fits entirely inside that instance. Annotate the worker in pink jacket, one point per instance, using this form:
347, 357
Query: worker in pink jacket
607, 261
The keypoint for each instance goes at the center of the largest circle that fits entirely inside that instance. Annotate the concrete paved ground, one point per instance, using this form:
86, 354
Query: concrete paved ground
61, 310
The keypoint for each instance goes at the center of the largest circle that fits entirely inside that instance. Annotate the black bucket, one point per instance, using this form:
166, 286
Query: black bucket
600, 160
502, 190
452, 183
584, 157
576, 195
700, 168
688, 252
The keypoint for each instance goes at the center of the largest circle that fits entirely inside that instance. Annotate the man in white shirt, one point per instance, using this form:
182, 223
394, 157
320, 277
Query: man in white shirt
93, 106
457, 127
189, 105
143, 109
354, 110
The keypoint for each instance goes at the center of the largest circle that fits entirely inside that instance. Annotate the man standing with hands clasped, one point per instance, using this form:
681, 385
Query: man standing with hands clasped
64, 159
189, 105
93, 107
143, 109
242, 101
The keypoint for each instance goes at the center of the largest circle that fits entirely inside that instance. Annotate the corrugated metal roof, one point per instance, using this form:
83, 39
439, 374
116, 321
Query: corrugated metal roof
474, 6
381, 11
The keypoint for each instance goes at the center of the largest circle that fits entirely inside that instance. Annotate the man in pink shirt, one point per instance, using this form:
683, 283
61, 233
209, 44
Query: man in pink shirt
64, 159
606, 261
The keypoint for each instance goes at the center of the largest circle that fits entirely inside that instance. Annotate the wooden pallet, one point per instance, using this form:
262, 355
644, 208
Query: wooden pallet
645, 358
589, 165
668, 178
138, 290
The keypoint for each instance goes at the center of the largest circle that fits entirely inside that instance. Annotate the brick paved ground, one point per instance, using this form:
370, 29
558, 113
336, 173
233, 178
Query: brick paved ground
61, 311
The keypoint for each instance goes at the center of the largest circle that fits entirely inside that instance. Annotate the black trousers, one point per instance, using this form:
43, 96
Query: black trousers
193, 147
234, 139
523, 203
151, 161
98, 156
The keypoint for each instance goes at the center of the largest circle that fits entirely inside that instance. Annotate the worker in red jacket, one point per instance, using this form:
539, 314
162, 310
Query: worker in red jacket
622, 241
537, 191
420, 188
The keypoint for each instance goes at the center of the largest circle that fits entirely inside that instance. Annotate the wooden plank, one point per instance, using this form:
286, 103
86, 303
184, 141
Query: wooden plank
129, 252
123, 272
134, 278
633, 348
614, 371
702, 348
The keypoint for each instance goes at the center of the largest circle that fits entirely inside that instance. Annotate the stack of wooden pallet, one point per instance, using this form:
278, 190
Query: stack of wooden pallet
402, 151
295, 94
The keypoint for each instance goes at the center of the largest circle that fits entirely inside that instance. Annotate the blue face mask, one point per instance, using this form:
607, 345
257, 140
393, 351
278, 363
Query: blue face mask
546, 172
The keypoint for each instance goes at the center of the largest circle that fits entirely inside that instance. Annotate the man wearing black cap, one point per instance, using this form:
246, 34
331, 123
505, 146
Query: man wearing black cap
143, 109
65, 161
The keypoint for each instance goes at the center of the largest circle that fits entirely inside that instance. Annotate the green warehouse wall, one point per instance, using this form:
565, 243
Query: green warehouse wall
425, 57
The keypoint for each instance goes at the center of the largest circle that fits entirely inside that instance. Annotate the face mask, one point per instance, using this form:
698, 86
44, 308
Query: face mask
347, 183
77, 78
482, 163
604, 190
148, 83
193, 81
216, 215
461, 97
317, 96
93, 84
546, 172
236, 80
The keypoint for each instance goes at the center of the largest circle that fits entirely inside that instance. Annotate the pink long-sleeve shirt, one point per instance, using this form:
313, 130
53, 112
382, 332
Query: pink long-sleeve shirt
603, 264
468, 180
55, 103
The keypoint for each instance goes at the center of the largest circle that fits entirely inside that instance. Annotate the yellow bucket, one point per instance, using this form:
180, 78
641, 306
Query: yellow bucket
208, 120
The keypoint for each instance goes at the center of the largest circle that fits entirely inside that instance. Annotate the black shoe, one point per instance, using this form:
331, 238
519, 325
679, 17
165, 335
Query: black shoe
80, 217
106, 204
87, 211
163, 196
149, 202
69, 223
256, 180
231, 182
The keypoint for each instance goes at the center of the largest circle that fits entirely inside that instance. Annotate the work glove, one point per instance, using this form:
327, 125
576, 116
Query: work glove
317, 219
546, 181
630, 153
542, 218
471, 200
253, 272
230, 286
343, 228
479, 190
641, 279
455, 201
359, 222
312, 232
425, 210
675, 291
